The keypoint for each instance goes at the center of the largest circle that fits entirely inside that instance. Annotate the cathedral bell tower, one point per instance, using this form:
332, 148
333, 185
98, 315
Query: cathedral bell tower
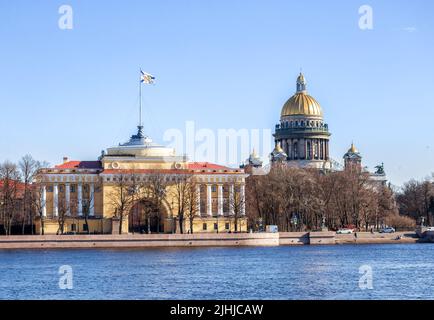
353, 159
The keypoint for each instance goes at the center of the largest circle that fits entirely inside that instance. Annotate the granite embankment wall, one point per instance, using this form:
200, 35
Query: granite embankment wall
368, 238
201, 240
138, 241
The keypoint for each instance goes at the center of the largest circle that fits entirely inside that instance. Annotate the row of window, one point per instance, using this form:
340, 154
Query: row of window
225, 188
205, 226
72, 188
302, 123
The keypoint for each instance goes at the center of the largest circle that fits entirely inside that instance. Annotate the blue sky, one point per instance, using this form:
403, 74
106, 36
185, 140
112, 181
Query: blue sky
222, 64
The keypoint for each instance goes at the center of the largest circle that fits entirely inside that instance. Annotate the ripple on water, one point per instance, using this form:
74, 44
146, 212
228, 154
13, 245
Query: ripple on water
302, 272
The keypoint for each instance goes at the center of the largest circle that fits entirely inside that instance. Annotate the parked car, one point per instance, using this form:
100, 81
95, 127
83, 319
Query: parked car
344, 231
387, 230
430, 229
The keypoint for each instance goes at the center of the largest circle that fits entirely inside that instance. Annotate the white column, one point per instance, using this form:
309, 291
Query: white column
67, 199
231, 199
91, 200
198, 199
243, 200
209, 200
220, 200
79, 199
55, 201
44, 201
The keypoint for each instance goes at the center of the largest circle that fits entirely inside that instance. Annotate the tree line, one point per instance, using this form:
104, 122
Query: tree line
19, 201
307, 199
293, 199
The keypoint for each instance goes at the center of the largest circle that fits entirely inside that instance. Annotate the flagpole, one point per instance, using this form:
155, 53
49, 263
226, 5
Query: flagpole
140, 100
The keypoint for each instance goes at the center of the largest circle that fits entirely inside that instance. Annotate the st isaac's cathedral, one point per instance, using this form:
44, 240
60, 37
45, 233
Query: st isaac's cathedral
302, 136
302, 139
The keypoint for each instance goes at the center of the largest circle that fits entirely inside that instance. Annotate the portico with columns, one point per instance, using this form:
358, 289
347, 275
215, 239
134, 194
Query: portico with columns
70, 195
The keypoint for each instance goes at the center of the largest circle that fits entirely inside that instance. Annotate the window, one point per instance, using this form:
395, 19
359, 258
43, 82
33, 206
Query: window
50, 189
60, 188
85, 227
216, 226
72, 189
227, 226
214, 188
73, 227
204, 227
309, 151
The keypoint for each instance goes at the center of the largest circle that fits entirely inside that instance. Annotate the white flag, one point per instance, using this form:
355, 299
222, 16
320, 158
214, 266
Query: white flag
146, 78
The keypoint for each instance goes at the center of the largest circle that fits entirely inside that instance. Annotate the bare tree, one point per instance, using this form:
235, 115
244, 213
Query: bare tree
29, 168
237, 205
192, 202
416, 200
301, 199
122, 197
157, 184
88, 207
9, 193
180, 194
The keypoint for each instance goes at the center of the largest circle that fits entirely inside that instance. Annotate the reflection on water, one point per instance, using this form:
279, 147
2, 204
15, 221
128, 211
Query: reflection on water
303, 272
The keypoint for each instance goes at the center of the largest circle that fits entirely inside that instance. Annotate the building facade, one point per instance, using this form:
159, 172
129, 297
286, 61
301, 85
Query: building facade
302, 136
86, 196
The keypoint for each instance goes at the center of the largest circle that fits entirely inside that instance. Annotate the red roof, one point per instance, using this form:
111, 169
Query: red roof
205, 166
80, 165
18, 184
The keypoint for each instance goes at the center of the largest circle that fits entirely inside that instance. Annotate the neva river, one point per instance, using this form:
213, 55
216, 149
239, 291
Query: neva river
305, 272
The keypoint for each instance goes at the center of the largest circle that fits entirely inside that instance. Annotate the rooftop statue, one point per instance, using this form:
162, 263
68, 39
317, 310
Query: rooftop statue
380, 169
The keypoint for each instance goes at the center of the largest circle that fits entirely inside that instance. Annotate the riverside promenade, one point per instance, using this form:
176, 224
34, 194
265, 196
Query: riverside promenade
201, 240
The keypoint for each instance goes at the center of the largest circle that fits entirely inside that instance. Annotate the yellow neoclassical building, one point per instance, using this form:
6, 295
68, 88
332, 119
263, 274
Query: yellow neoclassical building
86, 196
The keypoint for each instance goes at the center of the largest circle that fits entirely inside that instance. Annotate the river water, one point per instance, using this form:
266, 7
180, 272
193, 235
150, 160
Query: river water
305, 272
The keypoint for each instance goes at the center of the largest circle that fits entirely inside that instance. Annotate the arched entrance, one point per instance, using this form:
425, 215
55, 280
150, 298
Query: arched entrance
145, 217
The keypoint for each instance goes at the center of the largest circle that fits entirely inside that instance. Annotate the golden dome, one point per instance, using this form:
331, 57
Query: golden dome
353, 149
301, 103
278, 148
